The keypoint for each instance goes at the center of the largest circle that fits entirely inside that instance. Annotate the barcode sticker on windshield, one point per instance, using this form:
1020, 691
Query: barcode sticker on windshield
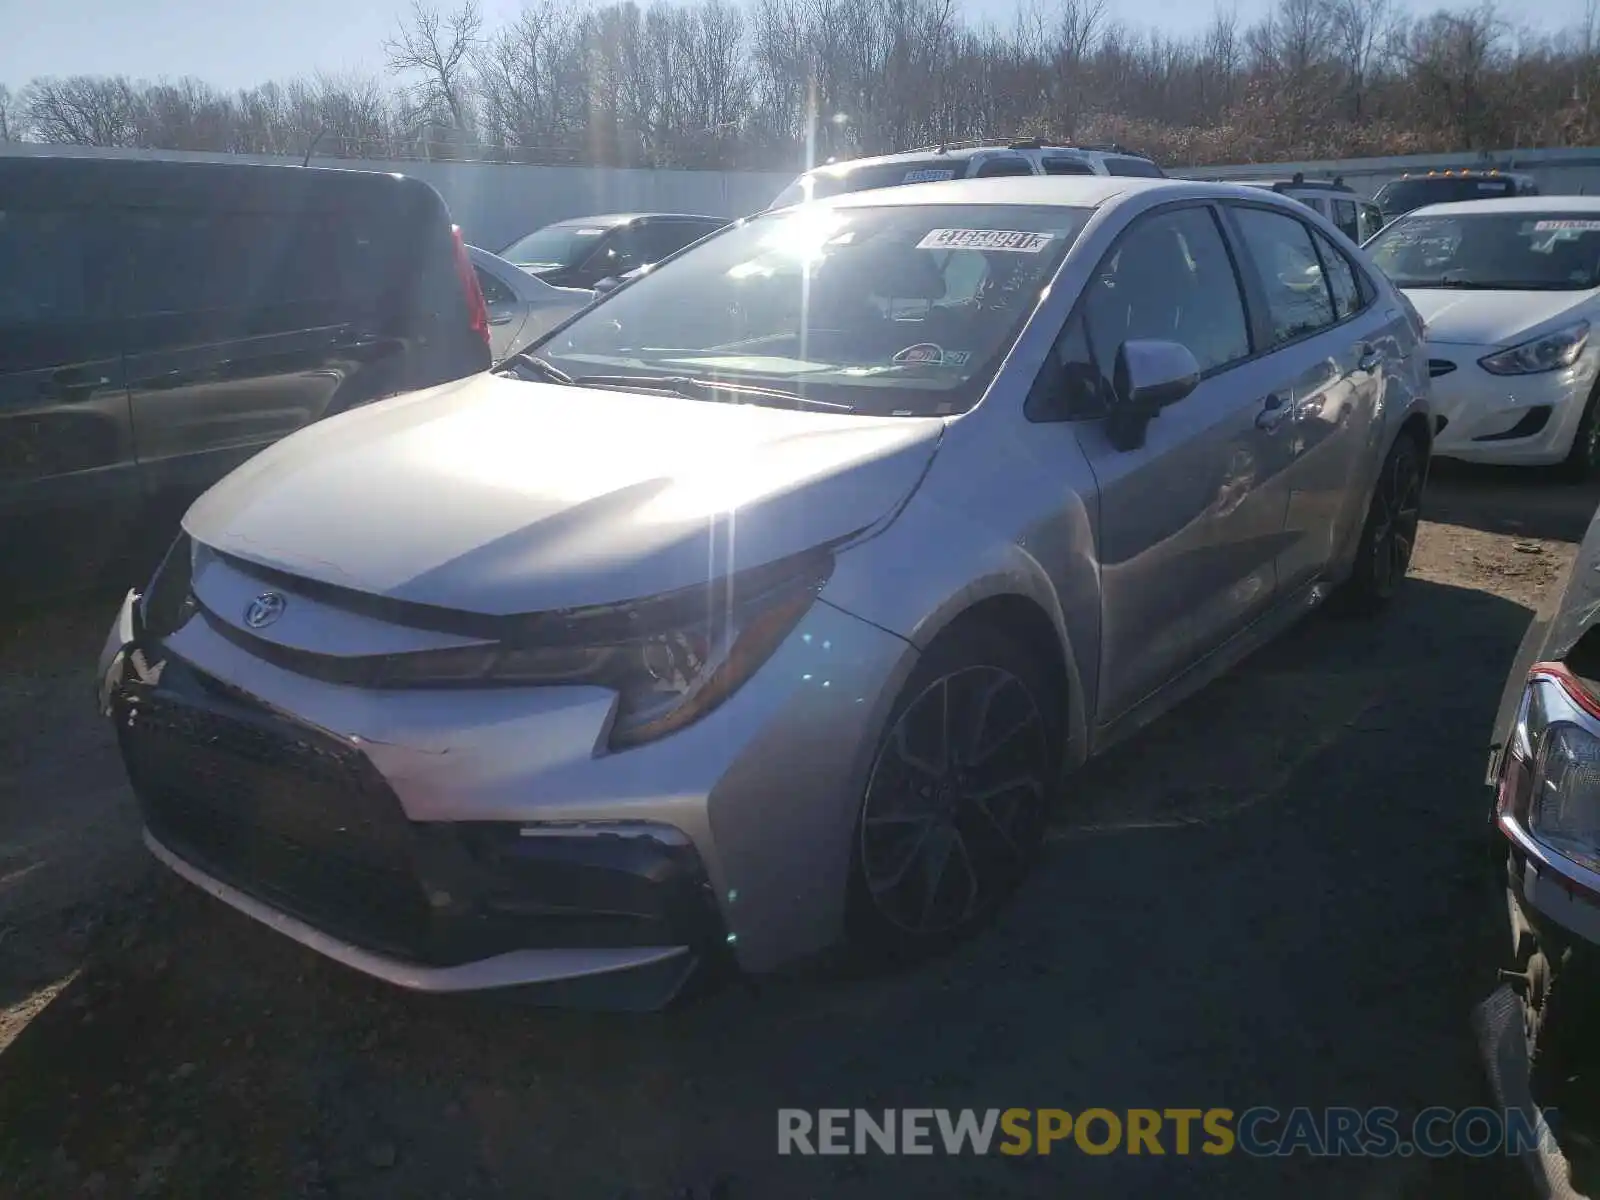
1564, 226
928, 176
985, 239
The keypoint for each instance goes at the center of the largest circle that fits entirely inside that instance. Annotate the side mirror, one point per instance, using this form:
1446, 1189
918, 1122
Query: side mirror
1147, 377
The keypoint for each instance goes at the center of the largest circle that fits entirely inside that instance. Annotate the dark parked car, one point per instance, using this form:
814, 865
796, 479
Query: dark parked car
582, 252
1411, 192
160, 322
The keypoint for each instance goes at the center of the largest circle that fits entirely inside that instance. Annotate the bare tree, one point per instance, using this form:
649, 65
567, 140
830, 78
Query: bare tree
436, 51
11, 123
779, 83
83, 110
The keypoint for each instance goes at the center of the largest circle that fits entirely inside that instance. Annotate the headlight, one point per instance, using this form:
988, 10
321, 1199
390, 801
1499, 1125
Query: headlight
1551, 781
671, 659
1548, 353
168, 602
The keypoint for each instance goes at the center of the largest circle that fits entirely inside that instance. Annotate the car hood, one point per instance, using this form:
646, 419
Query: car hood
1492, 318
498, 496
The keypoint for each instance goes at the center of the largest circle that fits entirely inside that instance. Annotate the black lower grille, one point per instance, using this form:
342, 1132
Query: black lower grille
279, 810
1531, 422
304, 823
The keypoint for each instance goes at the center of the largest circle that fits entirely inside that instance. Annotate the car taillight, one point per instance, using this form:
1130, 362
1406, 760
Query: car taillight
477, 309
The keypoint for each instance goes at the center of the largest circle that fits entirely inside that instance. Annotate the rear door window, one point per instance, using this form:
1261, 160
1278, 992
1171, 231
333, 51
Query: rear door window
1067, 166
1371, 221
1341, 276
1298, 300
1344, 216
194, 262
1004, 166
1138, 168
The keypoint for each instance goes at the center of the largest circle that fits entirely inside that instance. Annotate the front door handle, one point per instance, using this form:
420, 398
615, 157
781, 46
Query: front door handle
500, 319
1272, 413
1370, 358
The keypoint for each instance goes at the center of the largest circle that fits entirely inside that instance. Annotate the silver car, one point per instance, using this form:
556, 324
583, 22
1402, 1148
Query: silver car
521, 306
764, 609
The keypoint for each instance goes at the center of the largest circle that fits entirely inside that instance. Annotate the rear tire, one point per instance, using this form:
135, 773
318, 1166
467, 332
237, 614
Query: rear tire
1389, 535
957, 800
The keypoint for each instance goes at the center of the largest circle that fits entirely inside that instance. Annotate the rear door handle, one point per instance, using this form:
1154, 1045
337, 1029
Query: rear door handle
1272, 413
1370, 357
500, 319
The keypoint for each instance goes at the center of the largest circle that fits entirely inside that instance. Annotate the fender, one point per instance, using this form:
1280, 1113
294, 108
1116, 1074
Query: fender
987, 524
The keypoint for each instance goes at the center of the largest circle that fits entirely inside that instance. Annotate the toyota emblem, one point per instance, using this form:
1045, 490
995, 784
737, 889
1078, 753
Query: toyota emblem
264, 610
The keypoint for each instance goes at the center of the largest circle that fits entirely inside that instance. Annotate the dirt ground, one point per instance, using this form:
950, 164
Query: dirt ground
1273, 897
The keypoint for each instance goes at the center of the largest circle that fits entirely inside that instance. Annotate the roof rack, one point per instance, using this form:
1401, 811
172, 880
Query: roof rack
1022, 143
1336, 184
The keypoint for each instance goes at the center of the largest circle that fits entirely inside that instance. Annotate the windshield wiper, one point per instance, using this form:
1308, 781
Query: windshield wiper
700, 389
544, 370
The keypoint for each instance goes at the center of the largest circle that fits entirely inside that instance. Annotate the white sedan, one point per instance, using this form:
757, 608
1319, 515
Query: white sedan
1510, 291
521, 306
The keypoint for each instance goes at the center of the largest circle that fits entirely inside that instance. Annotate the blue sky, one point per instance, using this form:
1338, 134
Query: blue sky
238, 44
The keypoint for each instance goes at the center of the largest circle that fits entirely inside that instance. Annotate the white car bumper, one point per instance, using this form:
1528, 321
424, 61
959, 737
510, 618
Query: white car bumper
1521, 420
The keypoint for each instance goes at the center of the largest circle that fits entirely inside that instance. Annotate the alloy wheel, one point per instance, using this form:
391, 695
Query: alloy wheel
1399, 510
954, 800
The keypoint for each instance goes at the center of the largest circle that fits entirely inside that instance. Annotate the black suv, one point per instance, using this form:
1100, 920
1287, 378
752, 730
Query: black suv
162, 321
585, 251
1411, 192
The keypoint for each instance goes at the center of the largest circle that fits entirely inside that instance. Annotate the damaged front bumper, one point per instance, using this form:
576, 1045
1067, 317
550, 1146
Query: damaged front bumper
296, 829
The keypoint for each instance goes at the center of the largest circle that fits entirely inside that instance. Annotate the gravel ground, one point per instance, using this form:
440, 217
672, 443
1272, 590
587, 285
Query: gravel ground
1273, 897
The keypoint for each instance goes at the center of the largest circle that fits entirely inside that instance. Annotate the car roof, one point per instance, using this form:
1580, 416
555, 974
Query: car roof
1513, 204
1068, 191
608, 220
963, 153
1318, 185
182, 184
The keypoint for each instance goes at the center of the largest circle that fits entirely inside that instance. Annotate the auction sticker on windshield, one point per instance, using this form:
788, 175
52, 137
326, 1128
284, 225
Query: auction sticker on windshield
1565, 226
922, 352
928, 176
985, 239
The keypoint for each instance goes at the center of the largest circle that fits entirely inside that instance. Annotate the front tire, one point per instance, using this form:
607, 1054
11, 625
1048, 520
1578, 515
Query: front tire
1583, 459
956, 803
1390, 533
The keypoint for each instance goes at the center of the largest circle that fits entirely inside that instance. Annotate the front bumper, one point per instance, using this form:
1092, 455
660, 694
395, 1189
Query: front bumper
478, 839
1551, 890
1521, 420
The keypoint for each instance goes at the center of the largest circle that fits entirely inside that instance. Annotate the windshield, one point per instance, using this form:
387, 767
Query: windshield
901, 310
828, 182
555, 246
1403, 195
1512, 251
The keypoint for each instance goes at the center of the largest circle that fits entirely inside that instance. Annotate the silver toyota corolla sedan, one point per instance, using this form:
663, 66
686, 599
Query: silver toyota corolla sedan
762, 608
